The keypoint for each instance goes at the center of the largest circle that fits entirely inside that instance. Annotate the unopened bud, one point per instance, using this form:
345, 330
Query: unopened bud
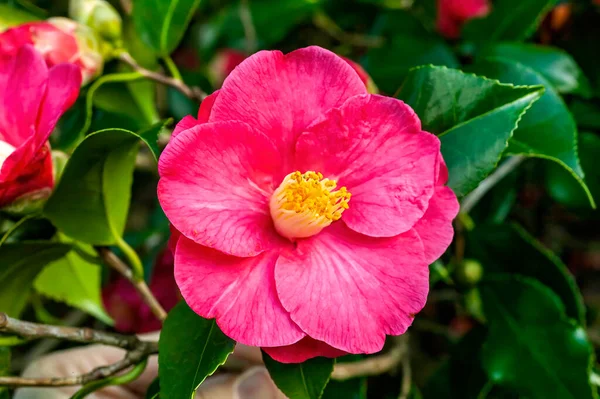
99, 15
469, 272
90, 57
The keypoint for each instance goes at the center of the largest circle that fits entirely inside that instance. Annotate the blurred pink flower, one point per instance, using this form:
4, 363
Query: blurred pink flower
60, 40
223, 63
32, 98
452, 14
125, 306
269, 240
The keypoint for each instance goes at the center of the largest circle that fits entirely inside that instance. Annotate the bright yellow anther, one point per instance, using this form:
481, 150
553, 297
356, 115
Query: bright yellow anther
305, 203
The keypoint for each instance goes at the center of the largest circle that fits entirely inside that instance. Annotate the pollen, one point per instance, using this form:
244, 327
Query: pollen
306, 203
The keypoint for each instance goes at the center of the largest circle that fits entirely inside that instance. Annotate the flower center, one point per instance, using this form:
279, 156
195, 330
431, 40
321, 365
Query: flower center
305, 203
5, 151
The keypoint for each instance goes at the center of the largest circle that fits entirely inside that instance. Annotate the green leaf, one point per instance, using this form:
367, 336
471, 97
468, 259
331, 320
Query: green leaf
153, 390
301, 380
508, 20
586, 113
510, 249
162, 23
21, 263
473, 116
150, 137
75, 280
190, 349
410, 45
532, 347
547, 130
10, 16
356, 388
560, 183
91, 200
554, 64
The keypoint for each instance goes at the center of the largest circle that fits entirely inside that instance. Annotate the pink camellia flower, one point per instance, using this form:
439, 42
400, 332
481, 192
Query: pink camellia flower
307, 209
124, 304
452, 14
59, 41
32, 98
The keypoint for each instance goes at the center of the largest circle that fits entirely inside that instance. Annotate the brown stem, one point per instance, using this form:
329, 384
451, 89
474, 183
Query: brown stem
248, 25
373, 365
141, 287
195, 93
137, 350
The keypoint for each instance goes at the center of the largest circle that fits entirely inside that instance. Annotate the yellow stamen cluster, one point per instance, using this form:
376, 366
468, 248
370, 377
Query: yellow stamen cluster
305, 203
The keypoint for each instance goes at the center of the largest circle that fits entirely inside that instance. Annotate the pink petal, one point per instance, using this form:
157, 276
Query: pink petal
64, 81
305, 349
435, 227
23, 81
238, 292
374, 146
215, 183
186, 123
280, 95
350, 290
206, 107
175, 234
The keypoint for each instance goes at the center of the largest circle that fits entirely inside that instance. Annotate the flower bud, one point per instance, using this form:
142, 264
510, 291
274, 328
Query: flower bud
98, 15
223, 63
89, 57
469, 272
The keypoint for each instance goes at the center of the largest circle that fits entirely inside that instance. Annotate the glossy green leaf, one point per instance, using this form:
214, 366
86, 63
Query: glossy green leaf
21, 263
301, 380
547, 130
11, 16
473, 116
508, 20
560, 183
190, 349
75, 280
153, 390
355, 388
554, 64
508, 248
532, 347
162, 23
91, 200
409, 45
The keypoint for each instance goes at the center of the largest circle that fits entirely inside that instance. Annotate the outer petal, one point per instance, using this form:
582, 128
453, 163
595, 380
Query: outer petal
206, 107
280, 95
238, 292
23, 81
349, 290
305, 349
62, 90
435, 227
215, 184
374, 146
186, 123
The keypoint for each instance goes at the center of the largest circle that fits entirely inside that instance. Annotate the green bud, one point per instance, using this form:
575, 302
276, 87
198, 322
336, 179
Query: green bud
469, 272
99, 15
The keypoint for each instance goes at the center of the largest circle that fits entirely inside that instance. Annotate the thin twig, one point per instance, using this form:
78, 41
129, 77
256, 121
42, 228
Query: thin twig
373, 365
469, 202
249, 30
195, 93
133, 357
141, 287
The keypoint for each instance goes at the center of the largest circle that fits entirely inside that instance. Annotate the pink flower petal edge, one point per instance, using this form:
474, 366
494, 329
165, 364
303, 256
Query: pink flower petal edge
305, 349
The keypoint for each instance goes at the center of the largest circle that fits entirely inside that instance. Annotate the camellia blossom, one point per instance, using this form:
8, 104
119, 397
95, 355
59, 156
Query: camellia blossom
59, 41
307, 210
452, 14
32, 98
